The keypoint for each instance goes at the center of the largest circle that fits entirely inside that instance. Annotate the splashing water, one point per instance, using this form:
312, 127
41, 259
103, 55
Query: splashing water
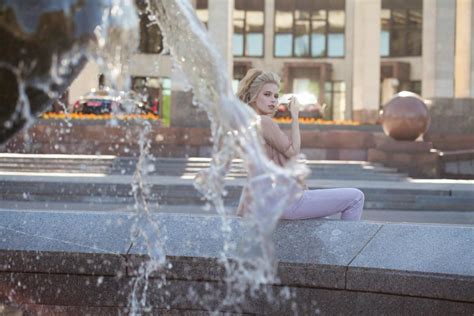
117, 41
234, 133
145, 227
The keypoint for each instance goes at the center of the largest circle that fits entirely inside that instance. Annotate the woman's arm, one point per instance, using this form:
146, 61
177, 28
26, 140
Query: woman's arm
294, 107
274, 137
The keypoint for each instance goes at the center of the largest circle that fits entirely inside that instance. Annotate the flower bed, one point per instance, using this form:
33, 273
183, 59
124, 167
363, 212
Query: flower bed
311, 120
107, 116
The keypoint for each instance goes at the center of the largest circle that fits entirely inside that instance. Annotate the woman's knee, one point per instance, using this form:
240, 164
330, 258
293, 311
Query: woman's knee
356, 195
360, 195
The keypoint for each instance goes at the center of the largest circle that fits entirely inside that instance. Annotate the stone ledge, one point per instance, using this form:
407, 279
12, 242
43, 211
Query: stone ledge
403, 263
438, 286
430, 249
65, 290
54, 262
457, 155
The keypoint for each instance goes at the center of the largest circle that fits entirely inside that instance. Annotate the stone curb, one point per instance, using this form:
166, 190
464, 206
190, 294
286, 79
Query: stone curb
316, 255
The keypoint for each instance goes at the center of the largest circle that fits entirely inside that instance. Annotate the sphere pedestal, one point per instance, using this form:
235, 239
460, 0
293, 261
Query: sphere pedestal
404, 119
417, 159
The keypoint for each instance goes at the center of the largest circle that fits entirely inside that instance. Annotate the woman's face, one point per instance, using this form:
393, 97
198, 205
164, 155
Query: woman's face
266, 102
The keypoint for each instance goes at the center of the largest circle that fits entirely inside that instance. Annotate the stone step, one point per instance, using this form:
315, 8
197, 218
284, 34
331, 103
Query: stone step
179, 168
315, 172
447, 205
118, 163
187, 195
174, 165
57, 169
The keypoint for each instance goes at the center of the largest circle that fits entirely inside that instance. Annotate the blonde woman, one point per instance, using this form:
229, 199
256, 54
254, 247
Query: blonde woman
260, 90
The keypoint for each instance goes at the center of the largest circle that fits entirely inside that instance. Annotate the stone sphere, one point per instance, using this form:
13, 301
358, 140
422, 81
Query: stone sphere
405, 116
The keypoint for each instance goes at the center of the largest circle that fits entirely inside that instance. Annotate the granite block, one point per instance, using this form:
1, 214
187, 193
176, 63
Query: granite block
431, 285
181, 268
432, 261
188, 235
332, 154
375, 155
328, 242
314, 153
387, 144
312, 275
411, 247
317, 301
35, 309
315, 252
207, 296
28, 240
69, 261
64, 289
310, 253
337, 139
353, 154
66, 231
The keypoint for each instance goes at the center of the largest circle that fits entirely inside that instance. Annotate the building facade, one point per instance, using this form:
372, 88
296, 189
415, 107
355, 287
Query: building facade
353, 55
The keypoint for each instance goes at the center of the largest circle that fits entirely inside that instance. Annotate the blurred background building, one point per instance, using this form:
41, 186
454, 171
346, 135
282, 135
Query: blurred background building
353, 55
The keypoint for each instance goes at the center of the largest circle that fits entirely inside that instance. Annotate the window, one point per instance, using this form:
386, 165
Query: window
335, 97
240, 70
412, 86
151, 40
309, 28
202, 11
401, 28
249, 24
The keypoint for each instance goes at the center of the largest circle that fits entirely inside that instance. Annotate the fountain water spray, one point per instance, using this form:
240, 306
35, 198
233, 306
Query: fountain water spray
234, 133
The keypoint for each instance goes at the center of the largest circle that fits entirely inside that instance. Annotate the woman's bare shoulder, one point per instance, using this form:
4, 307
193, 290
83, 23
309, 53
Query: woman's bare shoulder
267, 121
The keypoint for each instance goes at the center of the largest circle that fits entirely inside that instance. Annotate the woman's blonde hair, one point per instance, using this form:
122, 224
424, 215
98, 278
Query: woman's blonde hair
252, 83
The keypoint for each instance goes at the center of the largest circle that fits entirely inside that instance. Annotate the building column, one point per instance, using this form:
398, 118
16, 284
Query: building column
471, 48
439, 26
269, 32
464, 54
363, 58
220, 27
87, 79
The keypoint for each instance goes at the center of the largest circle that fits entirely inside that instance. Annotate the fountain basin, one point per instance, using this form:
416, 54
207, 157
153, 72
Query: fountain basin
79, 262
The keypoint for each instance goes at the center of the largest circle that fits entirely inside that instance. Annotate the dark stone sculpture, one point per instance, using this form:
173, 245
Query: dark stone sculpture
405, 116
41, 52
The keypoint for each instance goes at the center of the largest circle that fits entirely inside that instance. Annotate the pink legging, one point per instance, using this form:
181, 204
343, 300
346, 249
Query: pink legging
325, 202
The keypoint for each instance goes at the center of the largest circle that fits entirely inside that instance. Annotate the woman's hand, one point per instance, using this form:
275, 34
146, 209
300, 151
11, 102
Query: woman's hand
294, 107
